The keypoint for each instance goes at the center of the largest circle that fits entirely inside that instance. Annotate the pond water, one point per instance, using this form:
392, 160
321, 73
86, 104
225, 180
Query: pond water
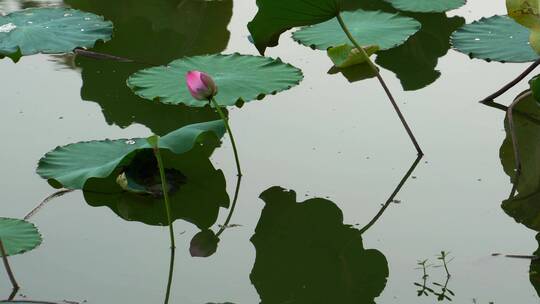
325, 138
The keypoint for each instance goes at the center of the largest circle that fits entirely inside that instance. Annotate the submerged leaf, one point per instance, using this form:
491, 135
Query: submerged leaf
73, 165
368, 28
344, 56
196, 189
50, 31
324, 260
18, 236
203, 244
240, 78
422, 51
524, 207
497, 38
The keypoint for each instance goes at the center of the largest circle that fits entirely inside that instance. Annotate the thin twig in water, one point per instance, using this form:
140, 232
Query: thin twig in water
45, 201
393, 195
513, 83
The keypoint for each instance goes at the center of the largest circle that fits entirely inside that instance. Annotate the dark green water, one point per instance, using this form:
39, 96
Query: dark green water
323, 139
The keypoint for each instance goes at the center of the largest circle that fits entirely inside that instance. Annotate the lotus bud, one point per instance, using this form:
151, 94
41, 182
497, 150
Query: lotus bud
201, 85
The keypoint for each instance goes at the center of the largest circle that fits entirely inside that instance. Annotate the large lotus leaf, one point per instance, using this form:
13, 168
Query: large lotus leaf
72, 165
427, 6
324, 260
422, 50
277, 16
368, 28
497, 38
240, 78
50, 31
18, 236
173, 32
525, 206
194, 197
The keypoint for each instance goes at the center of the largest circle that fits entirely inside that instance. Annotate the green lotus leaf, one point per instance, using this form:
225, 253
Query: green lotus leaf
325, 260
50, 31
240, 78
498, 38
426, 6
368, 28
172, 33
344, 56
196, 189
73, 165
18, 236
274, 17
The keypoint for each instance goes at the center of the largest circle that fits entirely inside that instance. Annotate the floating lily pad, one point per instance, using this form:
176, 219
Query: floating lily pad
71, 166
498, 38
50, 31
240, 78
368, 28
172, 33
18, 236
274, 17
426, 6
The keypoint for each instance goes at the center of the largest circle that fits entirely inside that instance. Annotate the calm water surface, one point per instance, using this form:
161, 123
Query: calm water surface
325, 138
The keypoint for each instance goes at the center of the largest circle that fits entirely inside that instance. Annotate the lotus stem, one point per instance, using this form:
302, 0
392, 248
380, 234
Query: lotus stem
512, 83
513, 136
383, 84
229, 131
165, 189
171, 271
233, 206
8, 268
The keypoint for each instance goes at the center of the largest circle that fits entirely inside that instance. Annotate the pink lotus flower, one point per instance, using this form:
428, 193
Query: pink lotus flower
201, 85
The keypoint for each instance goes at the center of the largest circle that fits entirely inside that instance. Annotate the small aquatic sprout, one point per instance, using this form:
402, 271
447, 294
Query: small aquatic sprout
423, 265
200, 85
443, 257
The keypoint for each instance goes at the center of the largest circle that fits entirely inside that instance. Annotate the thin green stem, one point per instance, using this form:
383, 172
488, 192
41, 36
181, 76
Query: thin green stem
383, 84
233, 206
165, 187
8, 268
171, 271
227, 126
